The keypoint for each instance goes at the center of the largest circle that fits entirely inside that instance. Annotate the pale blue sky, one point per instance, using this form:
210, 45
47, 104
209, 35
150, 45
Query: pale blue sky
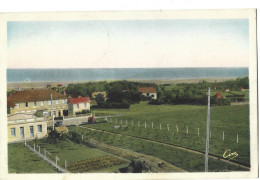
130, 43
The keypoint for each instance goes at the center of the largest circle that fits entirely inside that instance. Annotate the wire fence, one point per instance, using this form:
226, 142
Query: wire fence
44, 154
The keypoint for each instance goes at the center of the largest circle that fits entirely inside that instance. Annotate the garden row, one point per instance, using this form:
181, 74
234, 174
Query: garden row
95, 164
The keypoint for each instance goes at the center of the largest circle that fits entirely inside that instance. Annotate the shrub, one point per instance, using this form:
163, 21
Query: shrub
39, 113
109, 105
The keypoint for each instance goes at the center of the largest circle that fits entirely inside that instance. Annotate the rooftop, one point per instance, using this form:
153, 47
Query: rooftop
147, 90
79, 100
32, 95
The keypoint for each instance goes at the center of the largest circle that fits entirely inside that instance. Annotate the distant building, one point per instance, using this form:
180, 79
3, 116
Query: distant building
148, 92
94, 94
78, 104
29, 101
21, 127
218, 95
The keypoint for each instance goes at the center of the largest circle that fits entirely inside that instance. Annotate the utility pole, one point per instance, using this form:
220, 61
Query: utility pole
207, 136
52, 114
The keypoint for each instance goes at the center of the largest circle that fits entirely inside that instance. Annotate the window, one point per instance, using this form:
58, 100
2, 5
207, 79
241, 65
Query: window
18, 105
49, 102
34, 103
147, 94
85, 104
152, 95
12, 131
49, 113
57, 101
77, 105
42, 103
31, 131
39, 128
21, 132
26, 104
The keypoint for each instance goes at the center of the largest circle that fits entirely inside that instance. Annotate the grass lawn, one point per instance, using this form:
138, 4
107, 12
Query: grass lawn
23, 160
69, 151
180, 158
232, 120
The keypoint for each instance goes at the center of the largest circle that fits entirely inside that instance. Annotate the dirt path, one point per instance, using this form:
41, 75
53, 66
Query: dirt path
171, 145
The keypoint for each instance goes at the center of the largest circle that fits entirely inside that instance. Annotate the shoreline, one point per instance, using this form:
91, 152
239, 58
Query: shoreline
43, 84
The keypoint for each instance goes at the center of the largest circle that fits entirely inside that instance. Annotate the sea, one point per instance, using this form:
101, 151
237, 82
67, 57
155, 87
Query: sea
94, 74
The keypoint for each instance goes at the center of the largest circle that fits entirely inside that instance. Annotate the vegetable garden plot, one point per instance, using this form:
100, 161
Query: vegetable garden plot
95, 164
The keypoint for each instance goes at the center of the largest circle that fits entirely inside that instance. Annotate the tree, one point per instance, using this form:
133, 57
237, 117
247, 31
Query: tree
100, 98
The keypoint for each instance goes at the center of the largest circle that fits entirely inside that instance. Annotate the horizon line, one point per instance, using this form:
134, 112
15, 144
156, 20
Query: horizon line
125, 68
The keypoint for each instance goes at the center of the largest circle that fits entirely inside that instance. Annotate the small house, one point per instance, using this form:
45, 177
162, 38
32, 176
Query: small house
62, 129
21, 127
78, 105
148, 92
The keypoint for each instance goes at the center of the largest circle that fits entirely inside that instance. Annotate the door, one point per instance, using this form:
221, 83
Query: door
22, 132
31, 131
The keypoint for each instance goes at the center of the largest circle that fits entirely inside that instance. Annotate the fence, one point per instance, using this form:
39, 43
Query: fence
45, 157
167, 127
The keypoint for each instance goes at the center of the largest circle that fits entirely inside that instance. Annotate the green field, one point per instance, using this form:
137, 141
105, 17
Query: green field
23, 160
71, 152
232, 120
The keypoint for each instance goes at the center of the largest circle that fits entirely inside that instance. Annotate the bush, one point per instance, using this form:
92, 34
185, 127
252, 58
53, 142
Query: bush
83, 112
156, 102
109, 105
53, 137
74, 137
220, 102
39, 113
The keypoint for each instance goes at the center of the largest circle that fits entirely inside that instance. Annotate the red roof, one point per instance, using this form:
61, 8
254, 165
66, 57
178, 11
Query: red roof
147, 90
79, 100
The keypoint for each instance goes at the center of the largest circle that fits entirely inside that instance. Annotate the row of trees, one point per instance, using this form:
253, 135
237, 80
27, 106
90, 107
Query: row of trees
124, 93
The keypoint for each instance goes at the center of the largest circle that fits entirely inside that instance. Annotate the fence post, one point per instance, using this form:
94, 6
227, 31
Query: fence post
152, 124
168, 127
187, 129
34, 146
57, 159
223, 135
177, 130
145, 124
65, 165
121, 121
210, 134
116, 121
237, 138
132, 123
25, 143
198, 131
82, 137
160, 126
138, 123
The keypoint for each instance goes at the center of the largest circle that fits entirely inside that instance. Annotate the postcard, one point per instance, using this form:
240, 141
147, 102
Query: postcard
129, 95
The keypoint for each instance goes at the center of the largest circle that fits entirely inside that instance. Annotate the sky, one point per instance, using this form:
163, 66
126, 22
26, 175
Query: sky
128, 43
